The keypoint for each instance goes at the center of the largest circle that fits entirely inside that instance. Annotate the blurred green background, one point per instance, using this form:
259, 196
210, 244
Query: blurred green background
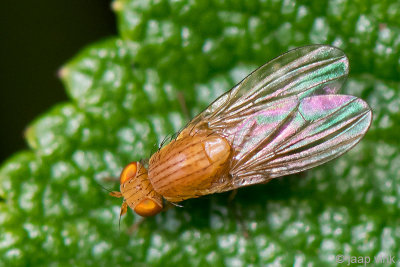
37, 38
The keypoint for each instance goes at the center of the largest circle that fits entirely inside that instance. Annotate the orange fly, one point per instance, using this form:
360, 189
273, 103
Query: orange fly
283, 118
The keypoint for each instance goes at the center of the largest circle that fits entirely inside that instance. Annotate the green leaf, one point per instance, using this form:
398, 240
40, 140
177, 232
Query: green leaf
125, 95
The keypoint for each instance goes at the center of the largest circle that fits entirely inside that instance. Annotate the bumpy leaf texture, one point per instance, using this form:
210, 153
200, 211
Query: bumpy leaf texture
124, 101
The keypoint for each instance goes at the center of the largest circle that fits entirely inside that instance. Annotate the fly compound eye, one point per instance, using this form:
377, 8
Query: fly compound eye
128, 173
137, 191
148, 207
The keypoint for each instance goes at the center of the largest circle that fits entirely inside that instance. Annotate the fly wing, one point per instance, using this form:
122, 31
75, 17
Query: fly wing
302, 72
293, 138
285, 117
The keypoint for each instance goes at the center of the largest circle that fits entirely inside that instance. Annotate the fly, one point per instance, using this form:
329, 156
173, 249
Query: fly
283, 118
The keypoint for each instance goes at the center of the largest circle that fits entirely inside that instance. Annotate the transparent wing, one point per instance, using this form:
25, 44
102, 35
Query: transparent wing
302, 72
315, 131
285, 117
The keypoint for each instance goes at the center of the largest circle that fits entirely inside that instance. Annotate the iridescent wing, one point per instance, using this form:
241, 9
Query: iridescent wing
302, 72
311, 132
285, 117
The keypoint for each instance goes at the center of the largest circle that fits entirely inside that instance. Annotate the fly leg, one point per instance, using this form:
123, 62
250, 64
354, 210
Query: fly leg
232, 195
235, 209
182, 102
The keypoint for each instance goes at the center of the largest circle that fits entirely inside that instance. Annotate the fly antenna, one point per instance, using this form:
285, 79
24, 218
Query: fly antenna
106, 189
